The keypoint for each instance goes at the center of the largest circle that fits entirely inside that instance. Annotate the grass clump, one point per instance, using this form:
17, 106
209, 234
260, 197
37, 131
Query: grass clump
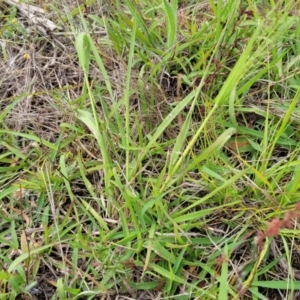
149, 150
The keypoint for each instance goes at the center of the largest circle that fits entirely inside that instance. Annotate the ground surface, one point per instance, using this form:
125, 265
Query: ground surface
149, 150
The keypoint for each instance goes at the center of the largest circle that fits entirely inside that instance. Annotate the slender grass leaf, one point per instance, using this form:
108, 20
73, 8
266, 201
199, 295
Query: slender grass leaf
95, 215
171, 23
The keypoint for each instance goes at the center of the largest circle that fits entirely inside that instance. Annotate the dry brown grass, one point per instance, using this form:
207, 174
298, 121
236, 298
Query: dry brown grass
39, 70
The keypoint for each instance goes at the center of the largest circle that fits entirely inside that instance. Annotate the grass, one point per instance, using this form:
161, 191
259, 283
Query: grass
150, 150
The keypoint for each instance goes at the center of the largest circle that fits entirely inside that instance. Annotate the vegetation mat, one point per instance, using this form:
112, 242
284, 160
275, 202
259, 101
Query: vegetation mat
149, 149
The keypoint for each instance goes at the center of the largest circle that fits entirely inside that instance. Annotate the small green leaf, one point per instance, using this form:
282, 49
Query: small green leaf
171, 24
95, 215
161, 251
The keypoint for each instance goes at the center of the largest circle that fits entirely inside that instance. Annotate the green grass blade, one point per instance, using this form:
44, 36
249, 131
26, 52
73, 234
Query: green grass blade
171, 23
